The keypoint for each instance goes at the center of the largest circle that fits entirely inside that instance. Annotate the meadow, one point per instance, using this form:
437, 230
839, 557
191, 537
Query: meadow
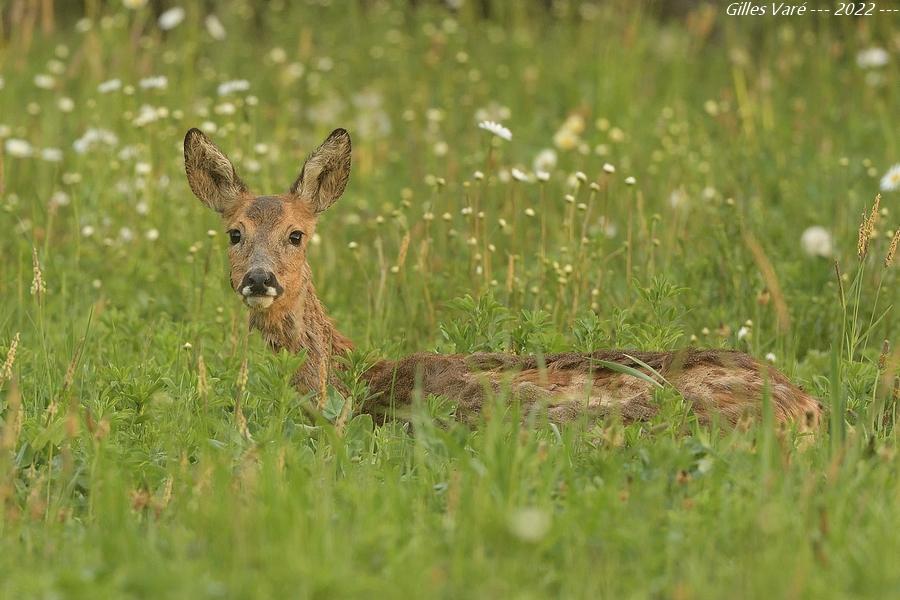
657, 180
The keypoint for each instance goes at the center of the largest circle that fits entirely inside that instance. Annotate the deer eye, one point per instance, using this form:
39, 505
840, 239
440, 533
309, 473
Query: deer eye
234, 236
296, 237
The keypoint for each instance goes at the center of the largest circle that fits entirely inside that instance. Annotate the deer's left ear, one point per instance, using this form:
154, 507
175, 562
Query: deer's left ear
325, 173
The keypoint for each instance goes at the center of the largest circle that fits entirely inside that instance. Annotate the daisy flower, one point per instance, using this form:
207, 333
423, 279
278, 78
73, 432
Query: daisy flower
545, 160
214, 28
230, 87
109, 86
171, 19
18, 148
519, 175
891, 179
872, 58
816, 241
497, 129
154, 83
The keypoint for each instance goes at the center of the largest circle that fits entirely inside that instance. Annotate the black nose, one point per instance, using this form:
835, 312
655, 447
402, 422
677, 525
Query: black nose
259, 281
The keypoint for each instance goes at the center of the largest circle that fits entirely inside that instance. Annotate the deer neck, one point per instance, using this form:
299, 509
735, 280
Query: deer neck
300, 323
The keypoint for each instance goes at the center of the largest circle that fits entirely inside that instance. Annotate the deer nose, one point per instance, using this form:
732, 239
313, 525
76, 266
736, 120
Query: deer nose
259, 282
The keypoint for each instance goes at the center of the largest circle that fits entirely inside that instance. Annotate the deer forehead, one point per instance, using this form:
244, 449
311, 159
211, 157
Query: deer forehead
270, 212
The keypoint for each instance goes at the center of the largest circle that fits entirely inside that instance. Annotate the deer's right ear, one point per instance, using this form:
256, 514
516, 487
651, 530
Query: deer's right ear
210, 174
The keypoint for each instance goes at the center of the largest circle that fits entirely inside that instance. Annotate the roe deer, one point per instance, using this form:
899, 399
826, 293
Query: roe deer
269, 238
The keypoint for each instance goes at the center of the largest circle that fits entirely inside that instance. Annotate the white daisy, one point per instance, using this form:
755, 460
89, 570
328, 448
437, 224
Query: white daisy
214, 28
816, 241
60, 198
18, 148
44, 81
519, 175
565, 139
171, 19
545, 160
51, 154
230, 87
158, 82
497, 129
109, 86
872, 58
891, 179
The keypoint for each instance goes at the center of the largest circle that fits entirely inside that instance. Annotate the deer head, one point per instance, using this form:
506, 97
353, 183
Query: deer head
268, 235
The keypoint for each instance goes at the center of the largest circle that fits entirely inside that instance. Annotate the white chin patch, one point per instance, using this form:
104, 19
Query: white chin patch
259, 301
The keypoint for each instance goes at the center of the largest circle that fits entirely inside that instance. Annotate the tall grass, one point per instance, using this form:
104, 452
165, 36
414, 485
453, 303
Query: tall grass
150, 446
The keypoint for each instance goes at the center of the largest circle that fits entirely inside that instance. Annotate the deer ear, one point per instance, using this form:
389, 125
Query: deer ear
210, 174
325, 173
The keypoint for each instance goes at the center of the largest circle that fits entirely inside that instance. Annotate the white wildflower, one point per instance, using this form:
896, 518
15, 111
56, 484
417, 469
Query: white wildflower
146, 114
93, 137
110, 85
65, 104
214, 27
542, 175
770, 357
171, 19
545, 160
152, 235
18, 148
743, 332
497, 129
235, 85
608, 168
678, 198
52, 154
126, 234
134, 4
816, 241
44, 81
158, 82
226, 108
529, 524
630, 180
60, 198
87, 231
891, 179
565, 139
872, 58
519, 175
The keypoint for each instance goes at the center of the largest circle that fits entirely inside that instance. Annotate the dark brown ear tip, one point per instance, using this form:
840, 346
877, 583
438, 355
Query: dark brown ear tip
340, 134
192, 133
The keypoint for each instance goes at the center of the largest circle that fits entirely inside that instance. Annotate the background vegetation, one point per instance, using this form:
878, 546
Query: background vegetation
671, 179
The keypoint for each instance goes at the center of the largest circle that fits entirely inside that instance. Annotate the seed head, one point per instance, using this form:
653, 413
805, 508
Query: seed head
38, 287
6, 369
892, 248
866, 227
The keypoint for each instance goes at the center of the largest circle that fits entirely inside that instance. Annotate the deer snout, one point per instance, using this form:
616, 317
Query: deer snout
260, 287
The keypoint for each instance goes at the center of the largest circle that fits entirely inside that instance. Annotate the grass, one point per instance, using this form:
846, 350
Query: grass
150, 447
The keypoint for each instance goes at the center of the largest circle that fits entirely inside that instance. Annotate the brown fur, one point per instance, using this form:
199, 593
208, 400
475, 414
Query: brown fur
729, 383
568, 386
